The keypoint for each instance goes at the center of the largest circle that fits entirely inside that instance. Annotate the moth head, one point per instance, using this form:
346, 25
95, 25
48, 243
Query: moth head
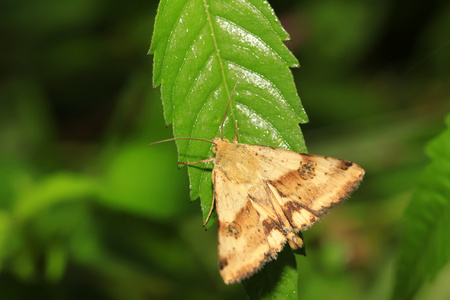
217, 141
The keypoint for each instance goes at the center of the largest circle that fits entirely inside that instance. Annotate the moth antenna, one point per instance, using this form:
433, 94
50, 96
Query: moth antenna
181, 138
228, 104
196, 162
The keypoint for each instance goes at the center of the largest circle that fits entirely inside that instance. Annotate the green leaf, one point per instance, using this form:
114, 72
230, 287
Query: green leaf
54, 189
277, 280
425, 247
200, 50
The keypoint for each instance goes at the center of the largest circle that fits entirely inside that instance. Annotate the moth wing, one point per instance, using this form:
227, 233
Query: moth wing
243, 245
267, 196
276, 225
306, 186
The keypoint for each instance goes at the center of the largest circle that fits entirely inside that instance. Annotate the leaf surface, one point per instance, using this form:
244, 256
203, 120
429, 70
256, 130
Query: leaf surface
277, 280
425, 247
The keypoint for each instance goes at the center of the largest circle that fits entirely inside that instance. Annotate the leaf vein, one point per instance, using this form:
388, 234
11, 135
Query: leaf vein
184, 61
278, 133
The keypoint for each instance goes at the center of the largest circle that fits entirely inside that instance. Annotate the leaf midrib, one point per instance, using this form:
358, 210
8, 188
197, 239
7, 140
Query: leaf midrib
219, 57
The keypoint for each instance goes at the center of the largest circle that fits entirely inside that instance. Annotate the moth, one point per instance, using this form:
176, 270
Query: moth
264, 196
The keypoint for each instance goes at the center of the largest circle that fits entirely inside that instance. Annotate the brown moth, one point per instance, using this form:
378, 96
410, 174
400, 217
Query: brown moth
264, 196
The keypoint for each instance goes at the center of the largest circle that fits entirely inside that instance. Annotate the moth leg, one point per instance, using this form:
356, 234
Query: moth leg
212, 203
210, 211
197, 162
235, 133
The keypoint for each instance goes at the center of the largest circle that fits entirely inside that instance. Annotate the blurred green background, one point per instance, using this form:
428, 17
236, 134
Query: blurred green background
88, 210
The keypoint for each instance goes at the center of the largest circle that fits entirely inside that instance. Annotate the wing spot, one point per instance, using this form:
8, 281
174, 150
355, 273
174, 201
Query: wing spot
233, 230
345, 164
223, 262
307, 169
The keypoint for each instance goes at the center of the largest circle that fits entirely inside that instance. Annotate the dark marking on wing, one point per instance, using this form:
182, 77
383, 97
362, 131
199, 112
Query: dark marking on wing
223, 262
307, 169
281, 194
233, 229
270, 225
290, 207
345, 164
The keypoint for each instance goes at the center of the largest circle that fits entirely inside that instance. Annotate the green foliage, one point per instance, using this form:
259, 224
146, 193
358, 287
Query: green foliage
200, 49
277, 280
131, 192
89, 211
425, 246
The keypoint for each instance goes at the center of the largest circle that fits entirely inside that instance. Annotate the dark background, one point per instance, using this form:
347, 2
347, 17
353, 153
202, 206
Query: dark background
87, 210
